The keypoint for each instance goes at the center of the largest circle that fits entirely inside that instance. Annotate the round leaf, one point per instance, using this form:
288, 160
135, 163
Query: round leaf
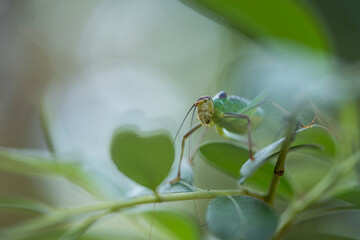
241, 217
145, 158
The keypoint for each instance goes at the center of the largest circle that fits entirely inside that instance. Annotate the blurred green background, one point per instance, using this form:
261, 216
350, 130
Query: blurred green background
94, 66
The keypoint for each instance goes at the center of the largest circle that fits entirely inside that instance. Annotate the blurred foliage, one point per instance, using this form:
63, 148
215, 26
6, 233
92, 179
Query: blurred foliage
265, 20
237, 217
300, 55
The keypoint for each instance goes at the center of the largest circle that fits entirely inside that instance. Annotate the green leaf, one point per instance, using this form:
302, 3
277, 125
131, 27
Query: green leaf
185, 184
260, 157
225, 156
241, 217
145, 158
180, 186
265, 19
228, 158
352, 197
173, 225
316, 135
315, 138
12, 160
261, 179
20, 203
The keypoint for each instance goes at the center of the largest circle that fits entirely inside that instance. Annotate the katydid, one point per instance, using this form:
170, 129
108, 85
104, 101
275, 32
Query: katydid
235, 114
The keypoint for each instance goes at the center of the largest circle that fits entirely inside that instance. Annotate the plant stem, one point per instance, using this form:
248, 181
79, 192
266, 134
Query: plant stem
62, 215
280, 163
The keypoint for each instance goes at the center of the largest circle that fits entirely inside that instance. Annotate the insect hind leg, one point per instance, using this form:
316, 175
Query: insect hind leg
310, 124
243, 116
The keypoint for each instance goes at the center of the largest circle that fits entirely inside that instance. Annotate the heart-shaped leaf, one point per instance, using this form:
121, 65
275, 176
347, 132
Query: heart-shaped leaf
241, 217
145, 158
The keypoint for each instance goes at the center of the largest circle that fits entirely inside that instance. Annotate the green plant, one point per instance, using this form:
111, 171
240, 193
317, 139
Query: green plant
303, 180
244, 213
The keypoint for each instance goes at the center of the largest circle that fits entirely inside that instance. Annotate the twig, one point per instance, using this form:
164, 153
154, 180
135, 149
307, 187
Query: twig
280, 163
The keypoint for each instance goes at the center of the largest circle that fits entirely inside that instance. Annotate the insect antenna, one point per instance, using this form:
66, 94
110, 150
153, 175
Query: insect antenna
182, 123
191, 125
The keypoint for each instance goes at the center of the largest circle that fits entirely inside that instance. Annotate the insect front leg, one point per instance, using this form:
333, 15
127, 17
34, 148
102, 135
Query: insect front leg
191, 131
244, 116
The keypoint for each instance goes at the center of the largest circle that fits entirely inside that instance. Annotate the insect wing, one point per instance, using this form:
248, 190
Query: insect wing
258, 100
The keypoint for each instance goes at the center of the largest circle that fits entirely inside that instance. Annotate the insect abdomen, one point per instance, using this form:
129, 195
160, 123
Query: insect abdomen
235, 104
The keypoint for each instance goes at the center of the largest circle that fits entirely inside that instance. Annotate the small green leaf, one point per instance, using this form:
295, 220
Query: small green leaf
185, 184
241, 217
145, 158
180, 186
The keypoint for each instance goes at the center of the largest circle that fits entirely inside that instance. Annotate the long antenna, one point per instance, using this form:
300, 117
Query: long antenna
183, 122
191, 124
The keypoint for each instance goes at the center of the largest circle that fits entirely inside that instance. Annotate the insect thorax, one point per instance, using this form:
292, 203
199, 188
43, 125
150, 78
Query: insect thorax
205, 110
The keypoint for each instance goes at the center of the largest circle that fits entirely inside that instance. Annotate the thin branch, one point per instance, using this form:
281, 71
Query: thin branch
280, 163
62, 215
